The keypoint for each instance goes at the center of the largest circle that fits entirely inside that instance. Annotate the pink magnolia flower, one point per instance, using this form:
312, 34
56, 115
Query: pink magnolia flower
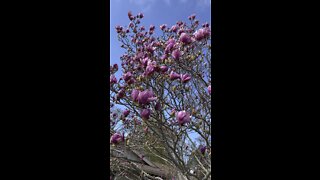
170, 41
116, 138
121, 93
126, 112
174, 75
115, 66
152, 27
174, 28
203, 149
163, 57
131, 81
183, 117
140, 15
185, 78
169, 48
129, 14
192, 17
202, 33
149, 70
145, 97
163, 26
131, 24
134, 94
164, 68
145, 61
113, 79
127, 76
119, 29
185, 38
145, 114
176, 54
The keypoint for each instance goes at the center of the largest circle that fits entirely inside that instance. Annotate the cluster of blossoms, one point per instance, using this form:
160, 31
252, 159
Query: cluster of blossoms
165, 80
145, 63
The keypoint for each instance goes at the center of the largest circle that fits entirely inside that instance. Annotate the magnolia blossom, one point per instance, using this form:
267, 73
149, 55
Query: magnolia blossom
150, 67
185, 38
116, 138
115, 66
163, 26
192, 17
203, 149
176, 54
145, 114
113, 79
202, 33
134, 94
174, 28
185, 78
121, 93
126, 112
140, 15
145, 97
170, 41
174, 75
127, 76
183, 117
131, 81
169, 48
149, 70
164, 68
119, 29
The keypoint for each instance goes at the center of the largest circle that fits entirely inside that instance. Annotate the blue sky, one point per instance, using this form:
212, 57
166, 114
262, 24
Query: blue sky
155, 12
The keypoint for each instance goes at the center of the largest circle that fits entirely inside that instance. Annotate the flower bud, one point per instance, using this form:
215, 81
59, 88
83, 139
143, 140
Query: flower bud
145, 114
183, 117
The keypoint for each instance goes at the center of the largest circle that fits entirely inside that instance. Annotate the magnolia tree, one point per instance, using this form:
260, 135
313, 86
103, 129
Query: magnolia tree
161, 104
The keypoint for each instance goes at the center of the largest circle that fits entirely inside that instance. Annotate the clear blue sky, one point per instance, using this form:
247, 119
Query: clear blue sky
155, 12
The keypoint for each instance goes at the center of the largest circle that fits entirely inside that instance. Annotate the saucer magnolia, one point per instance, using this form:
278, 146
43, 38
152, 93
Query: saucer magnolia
113, 79
116, 138
127, 76
185, 38
164, 78
174, 75
203, 149
176, 54
164, 68
135, 94
185, 78
183, 117
145, 113
145, 97
126, 112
